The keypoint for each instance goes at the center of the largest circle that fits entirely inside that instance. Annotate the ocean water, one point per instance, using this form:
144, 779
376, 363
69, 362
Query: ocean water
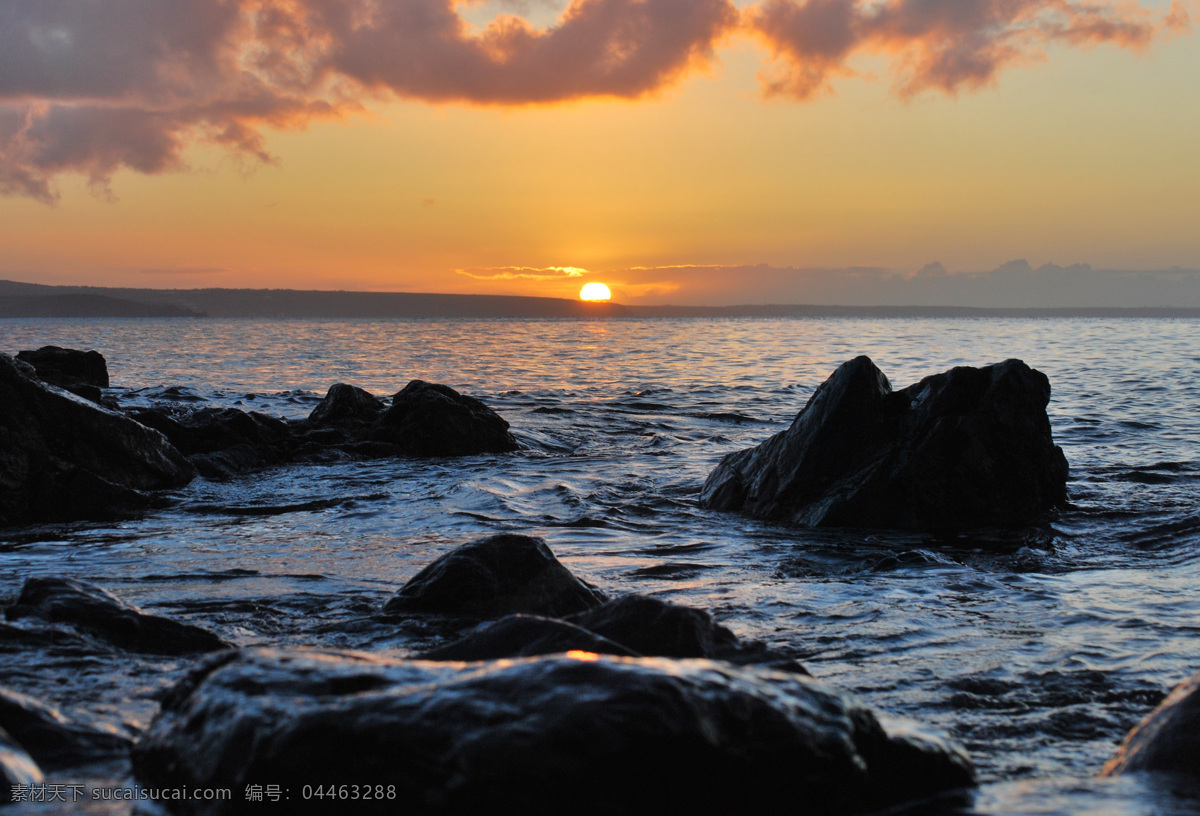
1036, 648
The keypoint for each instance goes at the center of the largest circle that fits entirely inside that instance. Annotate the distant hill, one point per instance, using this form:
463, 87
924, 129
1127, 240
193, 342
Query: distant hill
86, 306
37, 300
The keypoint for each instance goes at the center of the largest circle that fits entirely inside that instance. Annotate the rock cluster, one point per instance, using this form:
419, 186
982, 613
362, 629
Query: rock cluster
970, 447
63, 457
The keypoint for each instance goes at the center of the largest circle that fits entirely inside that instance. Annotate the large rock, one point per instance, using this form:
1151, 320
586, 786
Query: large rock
496, 576
81, 372
17, 768
580, 734
54, 740
1168, 739
428, 419
970, 447
62, 457
102, 614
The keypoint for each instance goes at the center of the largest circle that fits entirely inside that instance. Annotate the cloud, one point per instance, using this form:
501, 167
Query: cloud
1015, 284
944, 45
524, 273
186, 270
94, 87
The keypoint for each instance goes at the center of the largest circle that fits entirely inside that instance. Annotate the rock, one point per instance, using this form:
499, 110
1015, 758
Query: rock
526, 636
53, 740
17, 768
428, 419
582, 734
102, 614
1167, 740
347, 405
496, 576
656, 628
222, 442
971, 447
63, 458
67, 367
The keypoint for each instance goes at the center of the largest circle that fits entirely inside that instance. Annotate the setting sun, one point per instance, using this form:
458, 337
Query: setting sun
594, 291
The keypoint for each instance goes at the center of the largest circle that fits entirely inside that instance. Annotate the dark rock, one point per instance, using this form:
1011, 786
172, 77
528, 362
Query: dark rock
967, 448
67, 367
526, 636
496, 576
16, 768
222, 442
656, 628
563, 734
102, 614
1168, 739
346, 405
63, 458
428, 419
53, 740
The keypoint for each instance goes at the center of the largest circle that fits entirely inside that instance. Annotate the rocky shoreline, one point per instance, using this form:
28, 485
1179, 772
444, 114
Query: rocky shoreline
543, 686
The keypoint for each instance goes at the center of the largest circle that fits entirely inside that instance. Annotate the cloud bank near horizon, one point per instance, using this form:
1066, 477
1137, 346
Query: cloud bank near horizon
93, 88
1013, 285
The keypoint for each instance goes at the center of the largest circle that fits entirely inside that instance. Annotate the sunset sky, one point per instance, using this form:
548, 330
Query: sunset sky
530, 146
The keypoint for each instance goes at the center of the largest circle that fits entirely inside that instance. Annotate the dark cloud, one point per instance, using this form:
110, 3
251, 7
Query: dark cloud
94, 86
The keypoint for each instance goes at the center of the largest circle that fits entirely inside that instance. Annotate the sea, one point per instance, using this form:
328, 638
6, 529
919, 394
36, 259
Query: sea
1036, 648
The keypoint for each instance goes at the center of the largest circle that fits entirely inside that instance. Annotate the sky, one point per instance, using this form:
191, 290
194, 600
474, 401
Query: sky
681, 151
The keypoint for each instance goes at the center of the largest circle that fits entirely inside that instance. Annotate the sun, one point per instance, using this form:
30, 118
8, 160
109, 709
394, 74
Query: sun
594, 291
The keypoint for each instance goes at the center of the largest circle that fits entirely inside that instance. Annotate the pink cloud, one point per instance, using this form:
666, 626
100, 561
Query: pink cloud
944, 45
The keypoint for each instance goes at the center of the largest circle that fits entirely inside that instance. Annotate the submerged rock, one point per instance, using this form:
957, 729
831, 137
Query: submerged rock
526, 636
584, 735
428, 419
62, 457
1168, 739
102, 614
16, 768
969, 447
656, 628
51, 738
222, 442
495, 576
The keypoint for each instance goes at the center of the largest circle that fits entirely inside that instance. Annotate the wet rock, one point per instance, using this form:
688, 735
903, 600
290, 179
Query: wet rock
53, 740
64, 458
222, 442
102, 614
562, 734
1168, 739
347, 405
428, 419
68, 368
967, 448
526, 636
16, 768
656, 628
496, 576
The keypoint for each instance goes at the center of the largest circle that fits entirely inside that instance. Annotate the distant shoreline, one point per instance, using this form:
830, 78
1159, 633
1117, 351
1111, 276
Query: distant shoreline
32, 300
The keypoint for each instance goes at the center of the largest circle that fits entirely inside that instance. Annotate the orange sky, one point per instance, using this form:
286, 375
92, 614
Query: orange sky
530, 154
